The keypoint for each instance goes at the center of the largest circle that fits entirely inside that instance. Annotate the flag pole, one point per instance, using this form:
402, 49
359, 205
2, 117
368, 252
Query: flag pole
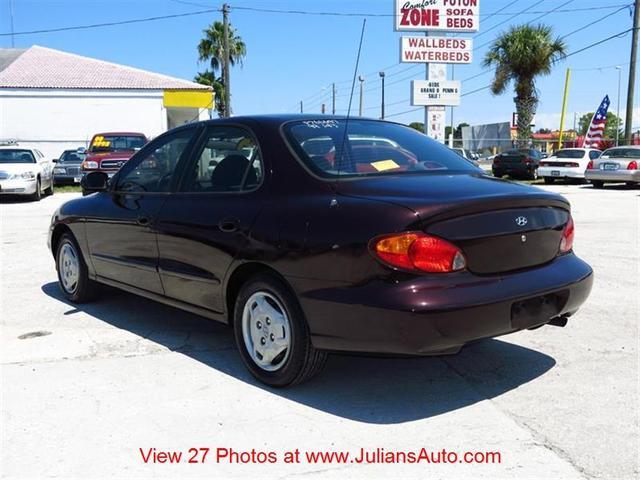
564, 106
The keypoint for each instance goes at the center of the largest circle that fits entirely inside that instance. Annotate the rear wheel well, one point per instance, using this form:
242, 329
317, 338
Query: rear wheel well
58, 231
239, 277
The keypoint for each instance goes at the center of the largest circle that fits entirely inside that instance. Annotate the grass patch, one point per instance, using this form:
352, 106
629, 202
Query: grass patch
67, 189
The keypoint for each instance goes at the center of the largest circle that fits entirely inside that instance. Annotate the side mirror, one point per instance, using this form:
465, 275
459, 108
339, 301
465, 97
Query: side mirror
81, 150
94, 182
54, 160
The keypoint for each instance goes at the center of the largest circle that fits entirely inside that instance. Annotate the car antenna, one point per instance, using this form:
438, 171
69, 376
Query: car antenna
353, 85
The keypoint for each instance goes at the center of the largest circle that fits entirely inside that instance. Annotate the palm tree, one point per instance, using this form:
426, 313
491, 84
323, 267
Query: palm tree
211, 49
209, 78
520, 55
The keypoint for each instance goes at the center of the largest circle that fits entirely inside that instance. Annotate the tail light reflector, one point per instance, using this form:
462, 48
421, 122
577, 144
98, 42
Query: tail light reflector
573, 164
566, 244
590, 165
633, 165
543, 164
418, 251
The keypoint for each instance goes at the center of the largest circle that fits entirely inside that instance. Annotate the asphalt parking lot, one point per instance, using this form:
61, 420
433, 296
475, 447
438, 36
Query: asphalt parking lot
85, 387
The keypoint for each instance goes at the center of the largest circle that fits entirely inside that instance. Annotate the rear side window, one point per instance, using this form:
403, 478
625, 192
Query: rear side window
369, 148
593, 154
228, 161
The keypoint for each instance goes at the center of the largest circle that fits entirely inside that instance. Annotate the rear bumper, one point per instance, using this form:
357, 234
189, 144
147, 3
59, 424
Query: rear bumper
439, 314
562, 172
613, 175
520, 169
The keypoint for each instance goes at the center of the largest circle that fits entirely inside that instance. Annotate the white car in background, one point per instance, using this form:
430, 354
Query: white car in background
617, 164
567, 163
25, 171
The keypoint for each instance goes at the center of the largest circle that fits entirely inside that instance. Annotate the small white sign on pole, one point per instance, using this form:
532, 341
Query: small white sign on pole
442, 93
437, 15
436, 49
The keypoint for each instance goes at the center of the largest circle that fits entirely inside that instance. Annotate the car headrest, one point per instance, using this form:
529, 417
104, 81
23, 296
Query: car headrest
228, 174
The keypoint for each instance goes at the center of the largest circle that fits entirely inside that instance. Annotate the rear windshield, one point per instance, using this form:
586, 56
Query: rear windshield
371, 148
116, 143
16, 156
71, 156
569, 154
622, 153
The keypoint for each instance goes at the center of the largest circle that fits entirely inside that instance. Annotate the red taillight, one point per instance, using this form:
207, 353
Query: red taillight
418, 251
590, 165
633, 165
496, 161
543, 164
566, 244
573, 164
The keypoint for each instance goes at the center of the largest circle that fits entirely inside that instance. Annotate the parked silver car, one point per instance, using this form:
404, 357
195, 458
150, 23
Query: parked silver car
25, 171
615, 165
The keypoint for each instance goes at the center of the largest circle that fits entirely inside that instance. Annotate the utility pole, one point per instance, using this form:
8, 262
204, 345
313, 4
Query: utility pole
619, 69
226, 74
628, 124
333, 100
382, 112
323, 109
301, 107
361, 79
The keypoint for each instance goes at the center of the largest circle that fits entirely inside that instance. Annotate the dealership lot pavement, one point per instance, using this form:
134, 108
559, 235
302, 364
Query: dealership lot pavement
85, 387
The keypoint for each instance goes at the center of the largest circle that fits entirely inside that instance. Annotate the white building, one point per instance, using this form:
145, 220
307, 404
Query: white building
55, 100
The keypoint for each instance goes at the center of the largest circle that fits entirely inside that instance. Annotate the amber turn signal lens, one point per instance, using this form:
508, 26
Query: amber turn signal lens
418, 251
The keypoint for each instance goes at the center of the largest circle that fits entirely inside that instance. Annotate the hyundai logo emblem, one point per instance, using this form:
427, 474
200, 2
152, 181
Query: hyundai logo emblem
521, 221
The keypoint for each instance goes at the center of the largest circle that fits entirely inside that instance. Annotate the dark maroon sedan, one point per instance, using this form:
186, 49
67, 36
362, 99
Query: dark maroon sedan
317, 234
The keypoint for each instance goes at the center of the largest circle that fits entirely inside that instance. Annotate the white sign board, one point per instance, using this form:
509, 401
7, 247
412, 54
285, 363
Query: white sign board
437, 15
436, 49
436, 116
443, 93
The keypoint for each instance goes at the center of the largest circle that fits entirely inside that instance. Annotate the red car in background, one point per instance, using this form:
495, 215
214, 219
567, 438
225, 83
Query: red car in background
110, 151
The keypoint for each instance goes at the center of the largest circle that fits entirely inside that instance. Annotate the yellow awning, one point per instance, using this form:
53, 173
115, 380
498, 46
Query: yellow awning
188, 98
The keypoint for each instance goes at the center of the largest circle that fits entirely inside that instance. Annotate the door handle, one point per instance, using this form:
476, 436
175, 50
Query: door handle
144, 221
228, 225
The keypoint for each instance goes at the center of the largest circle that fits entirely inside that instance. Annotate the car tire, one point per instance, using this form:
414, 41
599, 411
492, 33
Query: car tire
37, 195
73, 275
597, 183
268, 314
549, 180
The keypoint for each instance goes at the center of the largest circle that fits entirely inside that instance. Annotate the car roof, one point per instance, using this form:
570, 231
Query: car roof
16, 147
276, 119
633, 147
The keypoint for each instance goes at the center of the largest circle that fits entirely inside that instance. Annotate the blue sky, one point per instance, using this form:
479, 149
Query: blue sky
293, 57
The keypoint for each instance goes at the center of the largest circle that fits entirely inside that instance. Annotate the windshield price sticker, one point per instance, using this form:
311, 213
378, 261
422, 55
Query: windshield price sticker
100, 141
321, 123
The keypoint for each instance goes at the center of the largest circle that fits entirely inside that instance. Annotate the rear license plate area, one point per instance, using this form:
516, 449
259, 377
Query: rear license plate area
610, 166
555, 173
538, 310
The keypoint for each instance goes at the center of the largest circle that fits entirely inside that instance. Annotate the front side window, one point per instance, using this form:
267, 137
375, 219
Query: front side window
72, 156
229, 161
593, 154
369, 148
153, 172
16, 155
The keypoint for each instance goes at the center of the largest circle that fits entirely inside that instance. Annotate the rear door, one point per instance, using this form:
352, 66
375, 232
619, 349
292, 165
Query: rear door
121, 236
206, 224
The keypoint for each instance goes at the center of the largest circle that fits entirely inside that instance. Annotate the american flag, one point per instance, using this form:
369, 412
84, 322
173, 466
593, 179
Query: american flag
598, 122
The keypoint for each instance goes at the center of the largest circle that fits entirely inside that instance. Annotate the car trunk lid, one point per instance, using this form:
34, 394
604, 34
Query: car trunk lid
500, 226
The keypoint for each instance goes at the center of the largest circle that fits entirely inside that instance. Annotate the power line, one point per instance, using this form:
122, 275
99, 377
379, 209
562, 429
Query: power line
112, 24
